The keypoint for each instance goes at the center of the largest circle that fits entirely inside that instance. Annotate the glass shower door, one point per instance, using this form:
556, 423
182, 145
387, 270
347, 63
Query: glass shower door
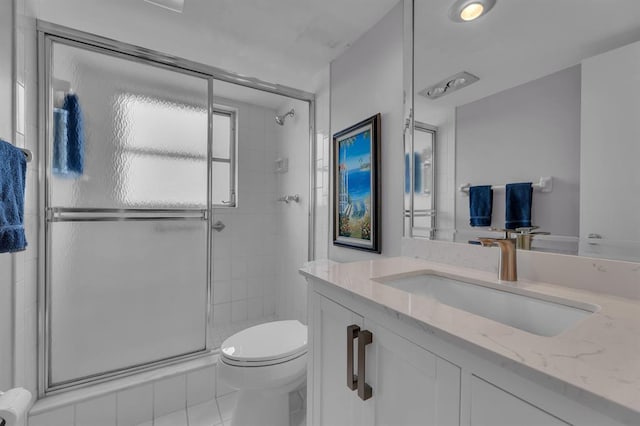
423, 193
127, 234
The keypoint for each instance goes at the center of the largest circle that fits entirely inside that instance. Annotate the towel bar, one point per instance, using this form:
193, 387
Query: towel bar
27, 153
545, 184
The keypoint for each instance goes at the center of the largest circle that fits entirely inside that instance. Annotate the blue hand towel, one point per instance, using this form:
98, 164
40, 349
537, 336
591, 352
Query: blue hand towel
480, 205
60, 139
518, 205
417, 173
13, 169
75, 136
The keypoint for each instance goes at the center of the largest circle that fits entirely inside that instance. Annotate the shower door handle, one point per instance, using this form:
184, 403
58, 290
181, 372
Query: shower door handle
352, 335
364, 390
218, 226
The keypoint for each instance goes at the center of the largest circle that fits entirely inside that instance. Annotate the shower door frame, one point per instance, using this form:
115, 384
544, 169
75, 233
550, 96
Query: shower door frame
49, 33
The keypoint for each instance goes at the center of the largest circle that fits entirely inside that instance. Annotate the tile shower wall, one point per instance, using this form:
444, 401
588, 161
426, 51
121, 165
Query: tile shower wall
135, 405
293, 218
6, 260
245, 258
26, 263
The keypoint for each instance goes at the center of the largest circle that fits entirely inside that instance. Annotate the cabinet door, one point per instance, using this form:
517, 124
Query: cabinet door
411, 386
334, 404
492, 406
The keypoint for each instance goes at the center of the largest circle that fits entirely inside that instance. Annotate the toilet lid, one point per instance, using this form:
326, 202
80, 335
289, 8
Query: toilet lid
268, 341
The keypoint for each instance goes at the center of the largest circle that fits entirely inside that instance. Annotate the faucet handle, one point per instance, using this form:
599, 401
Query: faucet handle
526, 229
489, 242
486, 242
508, 233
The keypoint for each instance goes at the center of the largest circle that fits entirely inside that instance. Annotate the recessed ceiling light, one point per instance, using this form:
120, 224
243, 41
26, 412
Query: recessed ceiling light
470, 10
174, 5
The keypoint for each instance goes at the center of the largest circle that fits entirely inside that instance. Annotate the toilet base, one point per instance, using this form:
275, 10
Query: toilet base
258, 408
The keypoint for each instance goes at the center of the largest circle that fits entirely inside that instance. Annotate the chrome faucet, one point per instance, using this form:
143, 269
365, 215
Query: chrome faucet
508, 267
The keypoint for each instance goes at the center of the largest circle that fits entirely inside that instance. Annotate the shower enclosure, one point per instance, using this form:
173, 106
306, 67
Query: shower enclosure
129, 255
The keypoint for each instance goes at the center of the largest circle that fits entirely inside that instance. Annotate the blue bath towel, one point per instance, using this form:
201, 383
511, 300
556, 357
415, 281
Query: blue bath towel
480, 205
417, 173
407, 173
519, 197
60, 140
13, 169
75, 136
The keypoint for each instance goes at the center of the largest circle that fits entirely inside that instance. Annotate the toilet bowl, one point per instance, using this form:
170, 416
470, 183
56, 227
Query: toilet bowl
264, 363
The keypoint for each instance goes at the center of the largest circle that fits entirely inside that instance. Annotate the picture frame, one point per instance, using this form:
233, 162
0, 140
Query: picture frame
356, 186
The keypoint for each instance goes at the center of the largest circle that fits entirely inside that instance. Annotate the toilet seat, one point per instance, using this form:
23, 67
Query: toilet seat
265, 344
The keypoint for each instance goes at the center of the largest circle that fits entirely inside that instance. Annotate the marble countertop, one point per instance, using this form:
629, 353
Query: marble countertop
600, 354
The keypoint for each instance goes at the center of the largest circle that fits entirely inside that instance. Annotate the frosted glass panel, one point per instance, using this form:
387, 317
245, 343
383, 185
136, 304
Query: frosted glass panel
221, 183
144, 127
221, 135
125, 293
148, 180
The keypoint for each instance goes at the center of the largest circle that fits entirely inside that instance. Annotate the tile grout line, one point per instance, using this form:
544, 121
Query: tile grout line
153, 403
186, 397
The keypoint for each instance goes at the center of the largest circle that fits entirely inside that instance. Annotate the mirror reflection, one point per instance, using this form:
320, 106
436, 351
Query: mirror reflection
545, 93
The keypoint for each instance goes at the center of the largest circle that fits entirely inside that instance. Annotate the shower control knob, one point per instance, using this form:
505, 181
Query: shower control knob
218, 226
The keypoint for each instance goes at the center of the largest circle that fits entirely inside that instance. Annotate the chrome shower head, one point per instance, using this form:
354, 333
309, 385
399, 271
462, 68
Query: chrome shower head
280, 118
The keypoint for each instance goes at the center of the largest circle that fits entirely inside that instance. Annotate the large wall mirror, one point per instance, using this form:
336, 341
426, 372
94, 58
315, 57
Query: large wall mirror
543, 91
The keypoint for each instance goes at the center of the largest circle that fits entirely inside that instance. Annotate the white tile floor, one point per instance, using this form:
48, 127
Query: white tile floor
217, 412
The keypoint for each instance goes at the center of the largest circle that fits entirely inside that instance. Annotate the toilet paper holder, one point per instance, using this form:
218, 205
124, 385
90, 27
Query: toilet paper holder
14, 406
2, 421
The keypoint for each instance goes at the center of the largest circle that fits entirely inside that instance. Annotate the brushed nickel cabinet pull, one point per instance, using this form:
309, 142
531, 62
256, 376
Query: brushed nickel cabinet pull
352, 334
364, 390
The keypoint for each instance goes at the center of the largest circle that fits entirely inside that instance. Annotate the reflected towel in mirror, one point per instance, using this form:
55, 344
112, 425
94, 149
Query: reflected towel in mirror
480, 205
519, 197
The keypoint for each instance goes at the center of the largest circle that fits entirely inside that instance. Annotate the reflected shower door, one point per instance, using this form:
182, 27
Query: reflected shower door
127, 238
423, 193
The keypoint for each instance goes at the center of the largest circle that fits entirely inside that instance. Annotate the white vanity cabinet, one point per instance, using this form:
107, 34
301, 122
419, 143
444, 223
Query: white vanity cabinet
409, 385
492, 406
417, 377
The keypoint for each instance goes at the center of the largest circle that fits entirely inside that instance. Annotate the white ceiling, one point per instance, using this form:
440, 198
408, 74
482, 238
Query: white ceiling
518, 41
280, 41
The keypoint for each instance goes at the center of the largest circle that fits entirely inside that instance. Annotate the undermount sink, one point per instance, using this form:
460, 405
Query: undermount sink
512, 307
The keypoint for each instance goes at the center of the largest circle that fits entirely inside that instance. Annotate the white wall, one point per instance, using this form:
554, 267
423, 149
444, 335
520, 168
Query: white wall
141, 24
323, 162
365, 80
609, 172
519, 135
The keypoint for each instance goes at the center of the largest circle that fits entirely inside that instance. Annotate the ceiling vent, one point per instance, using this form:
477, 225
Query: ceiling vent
448, 85
174, 5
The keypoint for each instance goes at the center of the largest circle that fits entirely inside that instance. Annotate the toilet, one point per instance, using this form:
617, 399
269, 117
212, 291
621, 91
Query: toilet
264, 363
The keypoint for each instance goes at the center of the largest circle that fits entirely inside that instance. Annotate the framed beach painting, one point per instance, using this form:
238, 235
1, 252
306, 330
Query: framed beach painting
356, 193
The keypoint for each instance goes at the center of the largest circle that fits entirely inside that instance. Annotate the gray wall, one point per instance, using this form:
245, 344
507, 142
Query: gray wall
519, 135
365, 80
